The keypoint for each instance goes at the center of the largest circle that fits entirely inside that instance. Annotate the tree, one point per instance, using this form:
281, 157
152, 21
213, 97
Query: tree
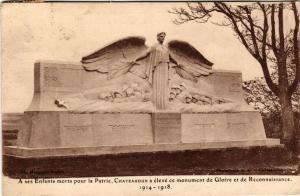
257, 94
260, 28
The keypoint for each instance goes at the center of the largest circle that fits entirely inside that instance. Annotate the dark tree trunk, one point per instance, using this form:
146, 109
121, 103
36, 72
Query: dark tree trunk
287, 120
289, 138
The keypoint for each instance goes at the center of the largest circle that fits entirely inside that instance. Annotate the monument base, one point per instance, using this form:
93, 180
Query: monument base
63, 144
48, 134
227, 161
24, 152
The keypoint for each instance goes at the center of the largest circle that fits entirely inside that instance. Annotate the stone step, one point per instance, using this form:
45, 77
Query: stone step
10, 121
11, 124
13, 131
10, 135
11, 127
9, 142
12, 116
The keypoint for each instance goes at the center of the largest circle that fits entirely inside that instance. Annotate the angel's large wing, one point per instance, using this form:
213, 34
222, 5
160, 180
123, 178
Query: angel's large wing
192, 63
115, 58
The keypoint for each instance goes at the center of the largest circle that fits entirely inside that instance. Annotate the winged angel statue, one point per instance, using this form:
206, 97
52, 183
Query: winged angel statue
150, 63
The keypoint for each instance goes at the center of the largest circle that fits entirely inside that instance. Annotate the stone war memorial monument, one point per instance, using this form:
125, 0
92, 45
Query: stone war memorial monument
130, 98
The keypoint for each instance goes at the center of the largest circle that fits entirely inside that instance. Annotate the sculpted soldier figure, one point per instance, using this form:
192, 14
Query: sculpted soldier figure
152, 64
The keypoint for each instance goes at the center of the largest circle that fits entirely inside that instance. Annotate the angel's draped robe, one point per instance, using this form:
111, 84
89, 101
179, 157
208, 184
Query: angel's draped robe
157, 73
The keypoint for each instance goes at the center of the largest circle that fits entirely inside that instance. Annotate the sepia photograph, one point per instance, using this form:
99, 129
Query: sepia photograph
132, 98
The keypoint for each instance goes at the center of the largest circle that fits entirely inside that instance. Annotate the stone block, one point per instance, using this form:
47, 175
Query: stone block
63, 129
202, 127
76, 130
40, 130
48, 134
167, 127
238, 126
122, 129
227, 84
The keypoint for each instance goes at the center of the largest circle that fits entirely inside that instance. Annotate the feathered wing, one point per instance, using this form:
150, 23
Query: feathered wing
184, 74
115, 59
192, 63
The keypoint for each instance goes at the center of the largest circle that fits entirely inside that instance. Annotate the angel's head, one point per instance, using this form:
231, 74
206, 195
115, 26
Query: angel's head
161, 37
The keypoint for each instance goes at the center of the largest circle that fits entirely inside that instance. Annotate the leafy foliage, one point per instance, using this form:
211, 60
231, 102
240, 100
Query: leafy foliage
258, 95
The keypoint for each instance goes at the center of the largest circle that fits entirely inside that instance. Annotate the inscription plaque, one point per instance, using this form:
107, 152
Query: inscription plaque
203, 127
76, 130
167, 127
122, 129
79, 135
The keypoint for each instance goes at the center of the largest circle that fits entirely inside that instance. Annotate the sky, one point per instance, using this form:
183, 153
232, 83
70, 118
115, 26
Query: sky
69, 31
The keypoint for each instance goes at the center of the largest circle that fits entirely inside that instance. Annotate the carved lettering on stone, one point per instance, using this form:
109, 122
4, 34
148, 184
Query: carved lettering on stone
77, 128
240, 125
118, 127
205, 125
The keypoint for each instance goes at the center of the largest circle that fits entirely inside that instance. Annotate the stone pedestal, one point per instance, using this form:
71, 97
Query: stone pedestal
67, 134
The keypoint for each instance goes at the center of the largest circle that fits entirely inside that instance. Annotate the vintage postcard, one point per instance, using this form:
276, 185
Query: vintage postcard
134, 98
